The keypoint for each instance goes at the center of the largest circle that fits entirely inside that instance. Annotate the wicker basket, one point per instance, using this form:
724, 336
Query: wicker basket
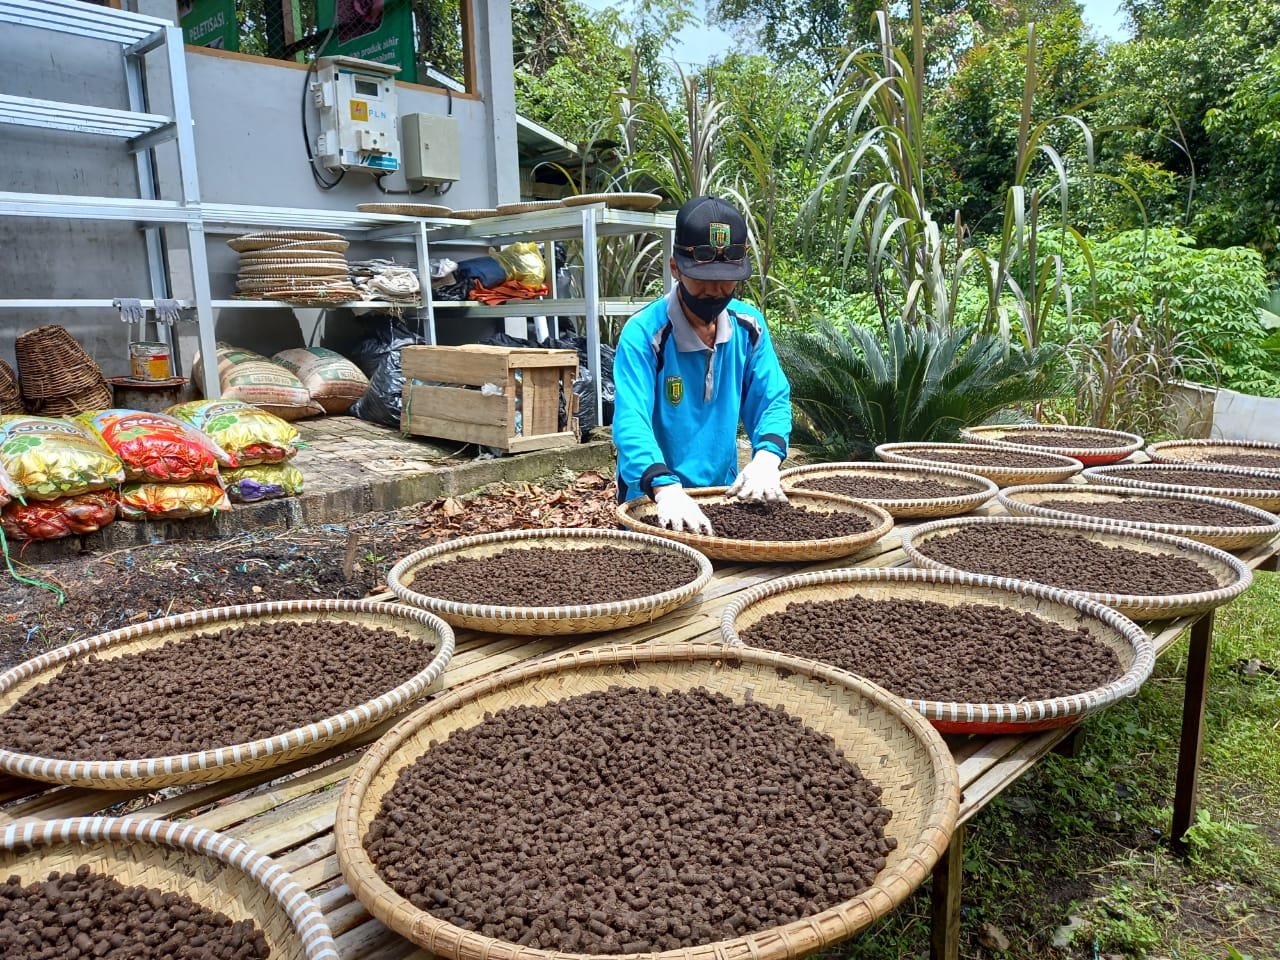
1130, 475
952, 587
1056, 468
212, 869
1205, 452
52, 366
636, 513
10, 395
93, 397
893, 744
548, 621
1026, 501
979, 491
1089, 456
233, 760
1233, 576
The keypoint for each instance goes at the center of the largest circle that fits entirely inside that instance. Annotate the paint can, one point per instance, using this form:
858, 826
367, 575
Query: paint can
149, 360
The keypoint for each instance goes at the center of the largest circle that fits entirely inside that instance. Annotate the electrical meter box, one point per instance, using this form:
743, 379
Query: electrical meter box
359, 120
431, 153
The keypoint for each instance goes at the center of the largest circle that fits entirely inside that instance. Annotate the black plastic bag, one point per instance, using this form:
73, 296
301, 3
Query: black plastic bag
378, 355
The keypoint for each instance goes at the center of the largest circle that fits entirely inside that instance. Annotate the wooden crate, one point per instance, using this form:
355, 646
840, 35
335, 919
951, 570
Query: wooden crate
455, 413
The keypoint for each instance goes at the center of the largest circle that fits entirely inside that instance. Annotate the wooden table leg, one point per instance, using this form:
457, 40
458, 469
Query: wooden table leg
944, 900
1193, 710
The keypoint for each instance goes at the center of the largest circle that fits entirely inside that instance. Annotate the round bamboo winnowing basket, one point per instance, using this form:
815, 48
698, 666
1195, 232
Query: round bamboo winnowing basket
636, 514
233, 760
1028, 502
1125, 638
893, 745
972, 490
1056, 467
1206, 452
1249, 491
1088, 455
549, 621
217, 871
1233, 577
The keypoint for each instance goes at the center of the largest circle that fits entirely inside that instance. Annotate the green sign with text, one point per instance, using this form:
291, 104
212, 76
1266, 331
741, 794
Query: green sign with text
209, 23
371, 30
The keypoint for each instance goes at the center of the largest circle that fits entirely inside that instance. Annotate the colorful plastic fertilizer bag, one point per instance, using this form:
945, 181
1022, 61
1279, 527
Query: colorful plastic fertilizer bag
267, 481
51, 457
247, 435
64, 517
331, 379
171, 501
156, 447
8, 489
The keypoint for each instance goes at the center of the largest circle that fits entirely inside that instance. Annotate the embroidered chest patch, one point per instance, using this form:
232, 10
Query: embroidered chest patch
675, 390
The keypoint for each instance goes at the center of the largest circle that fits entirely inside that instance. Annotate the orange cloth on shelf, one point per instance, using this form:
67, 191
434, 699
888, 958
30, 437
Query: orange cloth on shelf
505, 292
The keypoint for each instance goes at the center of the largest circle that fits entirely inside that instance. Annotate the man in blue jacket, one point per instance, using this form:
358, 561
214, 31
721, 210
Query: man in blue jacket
689, 368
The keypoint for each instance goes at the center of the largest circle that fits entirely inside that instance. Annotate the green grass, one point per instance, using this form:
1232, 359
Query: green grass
1087, 836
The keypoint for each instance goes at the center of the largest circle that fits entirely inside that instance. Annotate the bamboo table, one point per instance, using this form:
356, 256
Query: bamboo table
288, 812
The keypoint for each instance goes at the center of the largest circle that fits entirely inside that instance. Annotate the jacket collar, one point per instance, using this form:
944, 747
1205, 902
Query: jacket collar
687, 339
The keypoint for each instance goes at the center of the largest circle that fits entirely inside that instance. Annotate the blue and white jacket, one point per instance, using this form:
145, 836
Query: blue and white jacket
677, 403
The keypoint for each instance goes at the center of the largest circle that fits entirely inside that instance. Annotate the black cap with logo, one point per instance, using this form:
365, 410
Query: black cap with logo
711, 241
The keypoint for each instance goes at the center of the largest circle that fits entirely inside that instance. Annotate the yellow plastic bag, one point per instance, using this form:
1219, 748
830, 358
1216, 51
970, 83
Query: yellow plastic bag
266, 481
51, 457
171, 501
523, 262
247, 434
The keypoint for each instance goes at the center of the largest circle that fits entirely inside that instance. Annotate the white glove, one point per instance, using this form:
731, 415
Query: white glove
759, 479
679, 511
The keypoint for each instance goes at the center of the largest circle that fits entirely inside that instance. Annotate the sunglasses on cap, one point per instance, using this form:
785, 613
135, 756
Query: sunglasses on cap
706, 253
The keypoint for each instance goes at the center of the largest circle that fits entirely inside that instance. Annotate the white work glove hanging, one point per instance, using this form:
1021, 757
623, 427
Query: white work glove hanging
679, 511
759, 479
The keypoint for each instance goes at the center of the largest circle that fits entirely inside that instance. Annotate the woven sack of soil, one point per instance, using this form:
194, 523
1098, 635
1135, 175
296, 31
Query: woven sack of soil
904, 490
251, 378
1090, 445
810, 526
592, 832
53, 366
1214, 521
551, 582
149, 889
972, 655
214, 694
1144, 575
10, 395
331, 379
1250, 454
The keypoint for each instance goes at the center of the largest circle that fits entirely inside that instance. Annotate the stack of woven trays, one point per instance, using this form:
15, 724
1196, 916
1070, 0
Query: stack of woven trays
10, 395
56, 376
297, 266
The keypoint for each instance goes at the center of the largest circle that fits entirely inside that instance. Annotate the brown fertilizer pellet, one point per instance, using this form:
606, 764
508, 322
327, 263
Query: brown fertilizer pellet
1217, 479
986, 457
213, 690
549, 577
83, 915
630, 821
963, 653
867, 486
1156, 510
1065, 439
1062, 558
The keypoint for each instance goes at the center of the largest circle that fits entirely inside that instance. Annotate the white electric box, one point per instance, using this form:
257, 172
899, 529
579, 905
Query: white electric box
431, 153
359, 120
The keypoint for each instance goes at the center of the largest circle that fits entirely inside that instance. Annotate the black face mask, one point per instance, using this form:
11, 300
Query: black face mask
705, 309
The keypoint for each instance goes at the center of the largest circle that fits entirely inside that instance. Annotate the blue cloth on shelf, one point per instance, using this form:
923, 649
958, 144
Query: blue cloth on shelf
487, 270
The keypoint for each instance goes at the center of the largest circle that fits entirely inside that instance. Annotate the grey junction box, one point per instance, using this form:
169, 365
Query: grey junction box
429, 142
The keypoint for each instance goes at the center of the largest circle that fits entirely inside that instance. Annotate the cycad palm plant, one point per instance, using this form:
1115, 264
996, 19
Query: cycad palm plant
851, 391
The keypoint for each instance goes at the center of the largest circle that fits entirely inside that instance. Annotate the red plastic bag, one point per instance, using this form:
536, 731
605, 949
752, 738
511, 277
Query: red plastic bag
63, 517
156, 447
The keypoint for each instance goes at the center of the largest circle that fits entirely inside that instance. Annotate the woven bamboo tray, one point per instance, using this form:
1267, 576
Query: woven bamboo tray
953, 587
548, 621
1204, 451
1056, 468
982, 488
1233, 576
616, 201
635, 514
1026, 501
1130, 475
1089, 456
233, 760
891, 743
267, 239
213, 869
407, 209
